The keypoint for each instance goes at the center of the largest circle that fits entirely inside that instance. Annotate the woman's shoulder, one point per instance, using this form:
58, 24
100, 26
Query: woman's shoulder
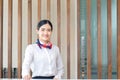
55, 47
31, 45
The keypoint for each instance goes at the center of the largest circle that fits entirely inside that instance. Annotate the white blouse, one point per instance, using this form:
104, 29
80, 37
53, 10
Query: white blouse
42, 62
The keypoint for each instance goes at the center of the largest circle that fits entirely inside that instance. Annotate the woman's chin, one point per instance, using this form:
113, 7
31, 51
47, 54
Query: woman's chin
46, 41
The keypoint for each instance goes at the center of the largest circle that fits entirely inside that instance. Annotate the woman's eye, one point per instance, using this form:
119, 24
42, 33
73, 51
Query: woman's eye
42, 29
49, 30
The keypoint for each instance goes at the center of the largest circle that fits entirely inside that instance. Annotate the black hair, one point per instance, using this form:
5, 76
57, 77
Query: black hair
42, 22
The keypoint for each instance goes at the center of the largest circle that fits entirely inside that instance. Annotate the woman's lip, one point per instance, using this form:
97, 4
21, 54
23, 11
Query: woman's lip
45, 36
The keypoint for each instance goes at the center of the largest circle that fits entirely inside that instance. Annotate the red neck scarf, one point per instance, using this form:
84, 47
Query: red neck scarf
49, 45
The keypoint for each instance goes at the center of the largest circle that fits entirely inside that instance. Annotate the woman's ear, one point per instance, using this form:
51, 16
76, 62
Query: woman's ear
37, 31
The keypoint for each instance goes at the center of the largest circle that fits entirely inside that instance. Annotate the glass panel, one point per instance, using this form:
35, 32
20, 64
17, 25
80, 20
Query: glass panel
94, 38
83, 38
114, 39
104, 38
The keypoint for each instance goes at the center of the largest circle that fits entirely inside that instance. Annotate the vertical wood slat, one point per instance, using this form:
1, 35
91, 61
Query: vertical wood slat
68, 39
39, 10
1, 37
88, 39
9, 38
29, 21
48, 9
109, 40
99, 39
59, 24
78, 39
19, 38
118, 39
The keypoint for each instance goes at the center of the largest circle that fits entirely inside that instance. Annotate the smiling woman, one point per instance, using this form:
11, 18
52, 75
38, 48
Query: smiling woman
44, 31
43, 58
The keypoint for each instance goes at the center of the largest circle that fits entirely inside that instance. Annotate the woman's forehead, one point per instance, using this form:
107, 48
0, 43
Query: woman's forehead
45, 26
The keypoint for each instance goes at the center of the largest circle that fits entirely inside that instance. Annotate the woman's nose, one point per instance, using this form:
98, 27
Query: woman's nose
46, 32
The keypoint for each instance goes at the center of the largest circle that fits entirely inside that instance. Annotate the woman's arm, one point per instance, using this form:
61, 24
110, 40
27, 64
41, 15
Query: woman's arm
60, 66
26, 63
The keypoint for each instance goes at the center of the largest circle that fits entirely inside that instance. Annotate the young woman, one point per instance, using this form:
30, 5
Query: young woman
42, 58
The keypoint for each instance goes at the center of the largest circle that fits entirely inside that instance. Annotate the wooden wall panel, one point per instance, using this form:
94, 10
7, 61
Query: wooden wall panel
29, 21
19, 38
78, 39
68, 38
1, 37
39, 10
88, 39
9, 38
99, 49
59, 23
118, 39
48, 9
109, 39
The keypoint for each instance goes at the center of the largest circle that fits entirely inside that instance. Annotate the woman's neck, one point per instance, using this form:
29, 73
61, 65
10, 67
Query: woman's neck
44, 42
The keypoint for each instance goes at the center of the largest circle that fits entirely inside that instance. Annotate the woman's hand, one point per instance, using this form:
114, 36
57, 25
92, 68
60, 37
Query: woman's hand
27, 77
55, 79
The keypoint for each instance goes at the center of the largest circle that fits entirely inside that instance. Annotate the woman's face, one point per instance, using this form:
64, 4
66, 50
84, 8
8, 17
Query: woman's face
44, 33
